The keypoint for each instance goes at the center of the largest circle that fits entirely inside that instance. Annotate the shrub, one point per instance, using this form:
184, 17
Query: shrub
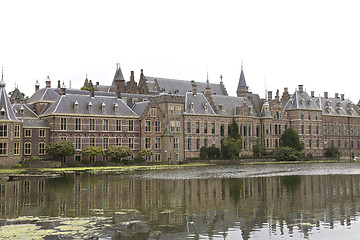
287, 154
18, 165
138, 159
332, 152
203, 152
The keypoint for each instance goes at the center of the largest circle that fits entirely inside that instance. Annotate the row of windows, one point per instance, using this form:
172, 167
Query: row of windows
205, 127
310, 130
104, 144
28, 132
344, 145
341, 130
309, 116
174, 109
157, 126
27, 148
205, 143
157, 143
92, 124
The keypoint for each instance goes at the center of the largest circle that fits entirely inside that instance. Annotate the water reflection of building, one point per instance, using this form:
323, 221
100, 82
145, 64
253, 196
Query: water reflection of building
197, 206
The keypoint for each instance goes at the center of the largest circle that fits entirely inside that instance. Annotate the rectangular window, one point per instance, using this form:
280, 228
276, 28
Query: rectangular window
197, 127
172, 126
213, 128
331, 129
205, 127
63, 124
147, 126
357, 130
105, 124
171, 109
205, 142
41, 132
17, 148
310, 143
152, 112
177, 109
157, 143
17, 131
325, 129
147, 142
198, 144
222, 130
92, 124
176, 143
317, 130
338, 130
41, 148
157, 126
118, 125
345, 130
189, 144
310, 129
157, 157
118, 141
318, 143
77, 143
131, 143
302, 129
27, 148
309, 115
339, 143
78, 124
3, 148
28, 132
131, 125
351, 130
92, 142
188, 127
105, 143
178, 126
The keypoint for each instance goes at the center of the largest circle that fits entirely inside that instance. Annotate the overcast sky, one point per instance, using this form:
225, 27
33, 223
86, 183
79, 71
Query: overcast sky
282, 43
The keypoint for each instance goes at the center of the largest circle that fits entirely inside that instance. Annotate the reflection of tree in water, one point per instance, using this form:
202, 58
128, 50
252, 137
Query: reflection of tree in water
63, 184
292, 183
235, 186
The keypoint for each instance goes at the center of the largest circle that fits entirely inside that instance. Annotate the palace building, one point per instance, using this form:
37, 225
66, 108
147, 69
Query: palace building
173, 118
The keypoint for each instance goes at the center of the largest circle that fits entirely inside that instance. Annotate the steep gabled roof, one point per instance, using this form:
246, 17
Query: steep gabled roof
17, 95
301, 100
242, 83
44, 95
139, 107
197, 104
338, 107
227, 105
6, 110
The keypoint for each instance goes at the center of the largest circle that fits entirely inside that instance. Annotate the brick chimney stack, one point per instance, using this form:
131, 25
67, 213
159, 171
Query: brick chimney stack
194, 87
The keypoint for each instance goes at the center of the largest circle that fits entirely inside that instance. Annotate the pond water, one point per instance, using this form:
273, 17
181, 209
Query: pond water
274, 201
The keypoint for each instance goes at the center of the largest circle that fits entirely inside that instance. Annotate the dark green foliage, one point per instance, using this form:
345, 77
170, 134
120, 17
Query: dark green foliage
258, 150
213, 152
332, 152
234, 133
138, 159
291, 139
231, 148
145, 153
203, 152
61, 148
287, 154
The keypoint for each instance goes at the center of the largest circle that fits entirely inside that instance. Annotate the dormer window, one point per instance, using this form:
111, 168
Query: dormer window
221, 106
76, 105
116, 107
90, 106
2, 111
22, 110
192, 106
103, 107
206, 107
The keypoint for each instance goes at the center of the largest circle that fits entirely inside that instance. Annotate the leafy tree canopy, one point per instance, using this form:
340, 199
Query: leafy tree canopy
118, 152
145, 152
332, 152
291, 139
61, 148
287, 154
92, 151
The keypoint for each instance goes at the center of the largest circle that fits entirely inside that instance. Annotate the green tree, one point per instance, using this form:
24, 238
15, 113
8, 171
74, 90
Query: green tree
287, 154
258, 150
61, 148
118, 152
203, 152
213, 152
291, 139
332, 152
145, 153
231, 147
92, 151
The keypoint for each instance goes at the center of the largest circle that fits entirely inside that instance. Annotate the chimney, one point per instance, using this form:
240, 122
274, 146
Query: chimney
63, 90
269, 95
119, 86
343, 97
312, 94
325, 94
141, 72
92, 92
48, 83
336, 95
301, 88
132, 78
59, 85
194, 87
37, 85
208, 92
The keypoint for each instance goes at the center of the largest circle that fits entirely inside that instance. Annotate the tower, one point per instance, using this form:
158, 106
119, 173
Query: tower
242, 87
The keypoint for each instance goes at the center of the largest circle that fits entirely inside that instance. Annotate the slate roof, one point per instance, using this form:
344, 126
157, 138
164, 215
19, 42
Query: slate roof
230, 103
157, 85
28, 112
35, 123
130, 96
139, 107
337, 107
66, 104
17, 95
5, 105
301, 100
44, 95
197, 104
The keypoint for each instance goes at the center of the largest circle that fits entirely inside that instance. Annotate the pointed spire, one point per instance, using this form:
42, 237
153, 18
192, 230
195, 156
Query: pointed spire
242, 87
241, 64
221, 78
207, 77
2, 73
